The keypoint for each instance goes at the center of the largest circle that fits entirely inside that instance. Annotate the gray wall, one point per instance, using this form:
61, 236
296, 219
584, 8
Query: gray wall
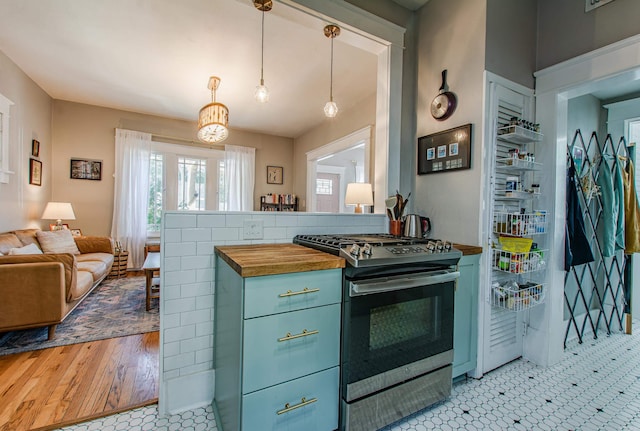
22, 204
511, 39
566, 31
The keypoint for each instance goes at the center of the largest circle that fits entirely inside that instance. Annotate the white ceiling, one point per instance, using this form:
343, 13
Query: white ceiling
156, 56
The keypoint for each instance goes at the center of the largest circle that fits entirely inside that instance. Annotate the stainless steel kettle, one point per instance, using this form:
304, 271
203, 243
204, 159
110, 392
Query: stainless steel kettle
416, 226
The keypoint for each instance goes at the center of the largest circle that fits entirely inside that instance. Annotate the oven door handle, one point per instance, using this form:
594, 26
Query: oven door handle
390, 284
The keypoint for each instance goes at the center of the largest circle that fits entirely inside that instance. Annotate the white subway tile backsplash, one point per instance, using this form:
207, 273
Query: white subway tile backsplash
211, 220
193, 317
179, 361
179, 220
176, 278
179, 305
205, 355
204, 248
274, 233
197, 368
171, 264
225, 234
171, 320
173, 235
205, 328
196, 344
197, 234
196, 289
204, 302
172, 349
180, 333
172, 249
286, 220
205, 275
196, 262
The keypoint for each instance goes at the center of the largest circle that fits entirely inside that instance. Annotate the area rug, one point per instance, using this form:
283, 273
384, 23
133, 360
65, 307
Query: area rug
116, 308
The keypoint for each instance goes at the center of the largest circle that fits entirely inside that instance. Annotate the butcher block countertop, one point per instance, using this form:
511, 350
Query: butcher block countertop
269, 259
468, 249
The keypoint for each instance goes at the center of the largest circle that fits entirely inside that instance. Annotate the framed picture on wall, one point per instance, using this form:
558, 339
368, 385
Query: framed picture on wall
35, 172
86, 169
274, 175
35, 148
449, 150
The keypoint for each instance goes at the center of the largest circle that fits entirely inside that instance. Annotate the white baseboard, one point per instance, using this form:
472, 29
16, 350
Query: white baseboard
186, 393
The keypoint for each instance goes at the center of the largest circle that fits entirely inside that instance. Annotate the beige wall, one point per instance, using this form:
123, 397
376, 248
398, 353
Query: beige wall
361, 115
87, 131
452, 199
21, 204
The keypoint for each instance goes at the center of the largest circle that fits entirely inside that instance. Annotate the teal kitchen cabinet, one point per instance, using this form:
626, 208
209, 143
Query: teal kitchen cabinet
277, 339
465, 321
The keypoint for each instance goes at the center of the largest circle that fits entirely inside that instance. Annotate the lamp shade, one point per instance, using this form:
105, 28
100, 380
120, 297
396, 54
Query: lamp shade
359, 194
213, 122
58, 211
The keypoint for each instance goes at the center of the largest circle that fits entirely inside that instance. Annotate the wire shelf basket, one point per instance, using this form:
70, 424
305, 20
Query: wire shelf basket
514, 297
518, 263
517, 224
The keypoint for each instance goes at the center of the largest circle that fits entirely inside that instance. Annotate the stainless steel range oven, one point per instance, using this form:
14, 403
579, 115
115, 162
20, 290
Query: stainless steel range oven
397, 325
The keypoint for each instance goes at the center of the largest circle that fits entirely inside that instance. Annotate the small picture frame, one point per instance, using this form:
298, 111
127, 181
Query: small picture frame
76, 232
453, 149
431, 153
52, 227
35, 172
442, 151
86, 169
274, 175
35, 148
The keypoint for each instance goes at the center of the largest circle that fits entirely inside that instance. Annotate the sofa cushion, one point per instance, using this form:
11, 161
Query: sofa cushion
27, 236
57, 241
96, 268
27, 249
8, 241
82, 286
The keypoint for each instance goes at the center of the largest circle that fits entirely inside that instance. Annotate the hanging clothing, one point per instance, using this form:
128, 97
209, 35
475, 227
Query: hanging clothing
610, 231
576, 246
631, 212
618, 187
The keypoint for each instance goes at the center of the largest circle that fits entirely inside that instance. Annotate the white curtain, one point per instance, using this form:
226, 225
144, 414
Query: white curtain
239, 177
131, 193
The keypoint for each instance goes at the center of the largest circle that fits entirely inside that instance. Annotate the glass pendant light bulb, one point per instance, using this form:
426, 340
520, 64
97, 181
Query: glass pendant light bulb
262, 92
331, 109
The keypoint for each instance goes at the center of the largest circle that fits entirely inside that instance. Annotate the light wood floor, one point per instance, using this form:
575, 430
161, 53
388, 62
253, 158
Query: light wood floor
46, 389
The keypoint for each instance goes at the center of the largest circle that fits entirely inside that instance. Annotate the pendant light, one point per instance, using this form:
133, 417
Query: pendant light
213, 119
331, 109
262, 92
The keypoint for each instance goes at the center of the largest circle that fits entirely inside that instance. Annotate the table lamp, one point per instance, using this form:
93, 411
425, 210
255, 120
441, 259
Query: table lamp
58, 211
358, 194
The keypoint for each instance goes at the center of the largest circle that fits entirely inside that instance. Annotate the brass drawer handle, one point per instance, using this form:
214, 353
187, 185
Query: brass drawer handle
301, 292
287, 408
304, 333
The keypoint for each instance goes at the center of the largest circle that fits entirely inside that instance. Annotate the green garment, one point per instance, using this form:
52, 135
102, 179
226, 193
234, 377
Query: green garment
611, 229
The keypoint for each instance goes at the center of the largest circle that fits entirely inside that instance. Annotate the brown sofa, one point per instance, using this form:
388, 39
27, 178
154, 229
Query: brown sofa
42, 289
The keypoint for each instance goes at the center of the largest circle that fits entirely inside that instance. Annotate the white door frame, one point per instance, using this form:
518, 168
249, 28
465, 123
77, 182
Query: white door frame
344, 143
608, 66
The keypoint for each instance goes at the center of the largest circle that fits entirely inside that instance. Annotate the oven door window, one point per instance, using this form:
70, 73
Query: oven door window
391, 329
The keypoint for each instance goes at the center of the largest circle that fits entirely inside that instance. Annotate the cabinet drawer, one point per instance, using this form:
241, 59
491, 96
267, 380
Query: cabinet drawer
320, 413
268, 361
263, 295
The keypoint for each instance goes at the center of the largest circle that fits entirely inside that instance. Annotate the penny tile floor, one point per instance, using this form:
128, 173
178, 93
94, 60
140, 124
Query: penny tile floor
595, 387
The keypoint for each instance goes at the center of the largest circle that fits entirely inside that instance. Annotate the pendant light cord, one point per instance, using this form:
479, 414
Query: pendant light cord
262, 50
331, 74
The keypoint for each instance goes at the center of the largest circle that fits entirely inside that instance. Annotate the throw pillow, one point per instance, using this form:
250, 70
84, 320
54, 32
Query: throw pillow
27, 249
57, 241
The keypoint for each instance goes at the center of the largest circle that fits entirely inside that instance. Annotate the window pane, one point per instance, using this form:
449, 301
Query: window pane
324, 186
222, 197
156, 189
192, 178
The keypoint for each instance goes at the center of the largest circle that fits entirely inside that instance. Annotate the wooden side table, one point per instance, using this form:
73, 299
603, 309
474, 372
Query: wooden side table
119, 268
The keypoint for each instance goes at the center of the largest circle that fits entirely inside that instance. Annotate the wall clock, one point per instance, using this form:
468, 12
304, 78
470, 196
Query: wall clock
445, 102
274, 174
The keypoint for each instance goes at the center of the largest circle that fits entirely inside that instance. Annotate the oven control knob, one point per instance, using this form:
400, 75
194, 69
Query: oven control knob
354, 250
366, 249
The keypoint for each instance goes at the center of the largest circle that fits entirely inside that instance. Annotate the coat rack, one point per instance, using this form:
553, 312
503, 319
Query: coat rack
596, 294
